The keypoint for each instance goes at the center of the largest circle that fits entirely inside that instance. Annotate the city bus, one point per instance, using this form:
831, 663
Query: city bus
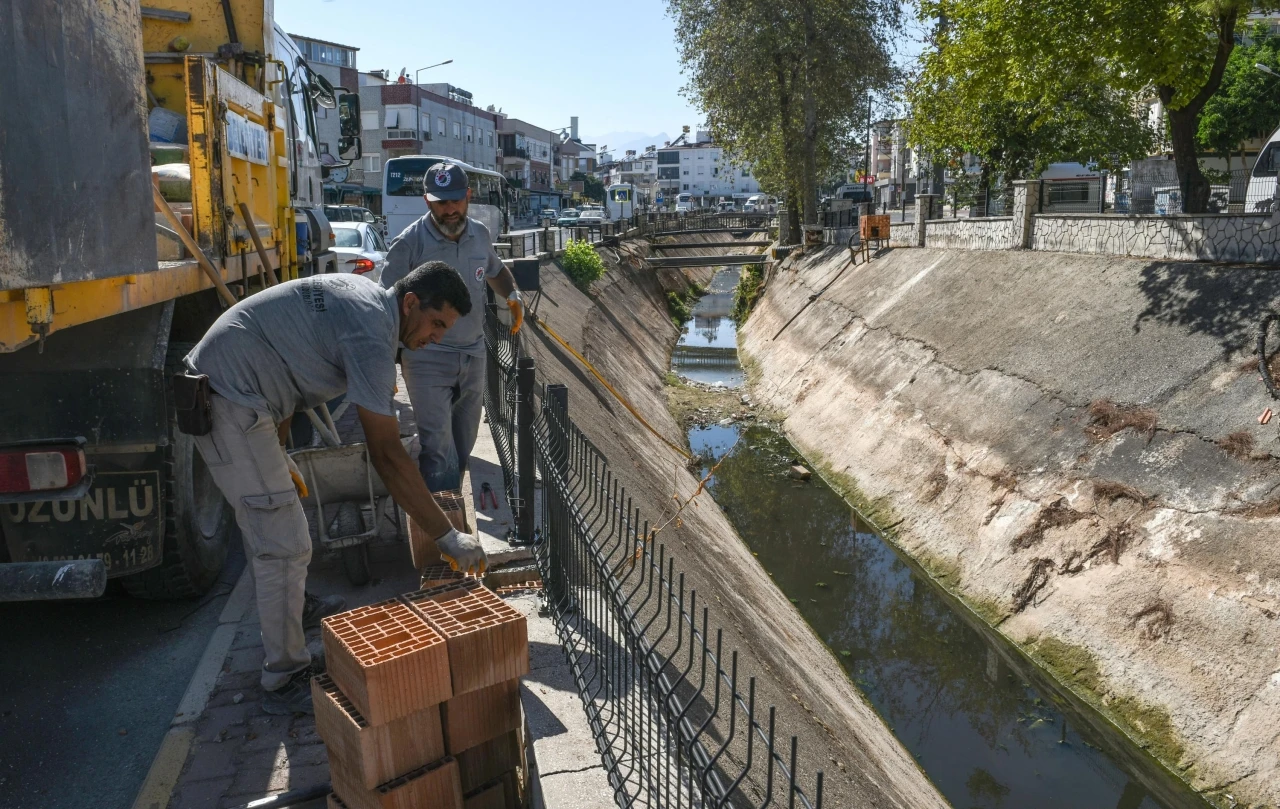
621, 201
684, 202
403, 202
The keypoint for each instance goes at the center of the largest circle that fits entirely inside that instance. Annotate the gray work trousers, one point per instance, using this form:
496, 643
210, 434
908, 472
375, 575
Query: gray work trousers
446, 389
248, 464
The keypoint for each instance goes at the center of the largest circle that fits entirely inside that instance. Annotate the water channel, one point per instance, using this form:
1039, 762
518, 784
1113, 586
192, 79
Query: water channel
989, 728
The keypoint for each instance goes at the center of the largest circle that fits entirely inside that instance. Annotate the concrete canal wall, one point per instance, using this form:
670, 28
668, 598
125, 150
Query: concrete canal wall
624, 329
1071, 445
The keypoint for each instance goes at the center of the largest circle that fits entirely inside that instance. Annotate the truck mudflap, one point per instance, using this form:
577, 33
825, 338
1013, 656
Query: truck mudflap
120, 520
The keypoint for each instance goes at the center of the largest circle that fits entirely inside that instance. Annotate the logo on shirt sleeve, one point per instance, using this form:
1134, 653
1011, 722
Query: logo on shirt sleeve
480, 273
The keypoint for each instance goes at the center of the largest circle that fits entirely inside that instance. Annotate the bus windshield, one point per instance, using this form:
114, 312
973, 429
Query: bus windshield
404, 177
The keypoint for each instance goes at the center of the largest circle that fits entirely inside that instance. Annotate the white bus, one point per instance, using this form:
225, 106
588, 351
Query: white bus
403, 202
621, 201
684, 201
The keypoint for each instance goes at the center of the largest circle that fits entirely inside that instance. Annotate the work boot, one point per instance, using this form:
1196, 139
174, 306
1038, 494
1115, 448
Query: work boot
315, 608
292, 697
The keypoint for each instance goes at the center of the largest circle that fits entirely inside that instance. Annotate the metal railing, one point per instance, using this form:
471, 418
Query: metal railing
675, 721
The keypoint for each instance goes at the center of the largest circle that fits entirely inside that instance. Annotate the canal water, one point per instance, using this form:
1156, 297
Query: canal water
710, 326
984, 732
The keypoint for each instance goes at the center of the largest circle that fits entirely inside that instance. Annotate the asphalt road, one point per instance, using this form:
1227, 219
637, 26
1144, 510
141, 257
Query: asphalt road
87, 691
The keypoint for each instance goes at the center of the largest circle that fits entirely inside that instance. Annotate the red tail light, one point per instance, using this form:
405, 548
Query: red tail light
363, 265
46, 468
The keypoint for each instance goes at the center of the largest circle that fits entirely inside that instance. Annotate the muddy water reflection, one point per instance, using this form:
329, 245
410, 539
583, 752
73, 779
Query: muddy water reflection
985, 738
708, 347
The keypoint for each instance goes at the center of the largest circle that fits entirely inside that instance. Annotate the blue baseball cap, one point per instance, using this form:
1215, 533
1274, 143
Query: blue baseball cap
445, 182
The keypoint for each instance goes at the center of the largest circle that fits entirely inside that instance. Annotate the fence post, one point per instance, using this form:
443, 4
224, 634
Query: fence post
1026, 204
525, 474
558, 446
924, 212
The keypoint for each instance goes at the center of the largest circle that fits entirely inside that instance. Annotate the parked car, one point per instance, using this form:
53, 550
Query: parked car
568, 218
549, 213
349, 213
590, 218
360, 249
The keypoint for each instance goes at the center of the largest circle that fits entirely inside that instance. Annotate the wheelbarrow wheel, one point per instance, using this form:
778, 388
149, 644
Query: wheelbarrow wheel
355, 558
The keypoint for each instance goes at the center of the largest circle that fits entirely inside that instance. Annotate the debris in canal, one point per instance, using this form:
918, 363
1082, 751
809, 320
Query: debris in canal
1106, 418
1034, 583
800, 473
1055, 515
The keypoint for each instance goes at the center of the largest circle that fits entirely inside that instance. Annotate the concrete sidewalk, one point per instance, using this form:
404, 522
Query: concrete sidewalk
224, 752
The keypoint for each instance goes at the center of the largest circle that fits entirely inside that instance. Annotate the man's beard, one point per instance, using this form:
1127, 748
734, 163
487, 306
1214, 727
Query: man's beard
451, 229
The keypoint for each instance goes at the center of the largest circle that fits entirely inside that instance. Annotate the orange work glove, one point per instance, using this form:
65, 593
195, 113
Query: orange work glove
516, 304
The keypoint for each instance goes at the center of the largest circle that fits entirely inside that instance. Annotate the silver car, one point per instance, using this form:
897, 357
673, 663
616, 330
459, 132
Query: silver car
360, 249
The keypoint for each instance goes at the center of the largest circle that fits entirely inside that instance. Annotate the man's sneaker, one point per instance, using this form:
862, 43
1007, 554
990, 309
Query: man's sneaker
292, 697
315, 608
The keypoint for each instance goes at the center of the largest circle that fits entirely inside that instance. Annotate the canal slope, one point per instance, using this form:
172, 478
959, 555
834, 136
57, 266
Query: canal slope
623, 328
1071, 446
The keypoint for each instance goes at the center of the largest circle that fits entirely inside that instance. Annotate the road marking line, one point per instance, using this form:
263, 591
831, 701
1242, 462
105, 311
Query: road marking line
206, 675
157, 789
239, 600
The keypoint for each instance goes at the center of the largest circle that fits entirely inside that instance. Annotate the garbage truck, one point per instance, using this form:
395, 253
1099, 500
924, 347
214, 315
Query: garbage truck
159, 162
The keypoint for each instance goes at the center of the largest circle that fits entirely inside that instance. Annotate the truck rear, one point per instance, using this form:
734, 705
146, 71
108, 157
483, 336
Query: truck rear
101, 295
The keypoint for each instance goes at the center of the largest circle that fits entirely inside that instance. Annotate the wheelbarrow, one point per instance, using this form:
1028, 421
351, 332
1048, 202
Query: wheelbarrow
344, 476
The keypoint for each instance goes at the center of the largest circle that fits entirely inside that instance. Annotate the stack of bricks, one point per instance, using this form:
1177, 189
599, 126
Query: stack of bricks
420, 708
488, 645
422, 545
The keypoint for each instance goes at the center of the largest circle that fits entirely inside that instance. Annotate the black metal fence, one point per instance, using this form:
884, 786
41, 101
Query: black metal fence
675, 721
1236, 192
847, 218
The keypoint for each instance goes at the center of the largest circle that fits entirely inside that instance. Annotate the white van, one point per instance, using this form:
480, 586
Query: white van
1260, 197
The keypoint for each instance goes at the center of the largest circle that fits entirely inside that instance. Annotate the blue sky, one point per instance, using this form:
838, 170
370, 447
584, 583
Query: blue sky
612, 64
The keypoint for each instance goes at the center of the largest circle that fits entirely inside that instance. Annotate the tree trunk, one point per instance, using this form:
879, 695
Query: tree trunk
1182, 134
793, 218
809, 140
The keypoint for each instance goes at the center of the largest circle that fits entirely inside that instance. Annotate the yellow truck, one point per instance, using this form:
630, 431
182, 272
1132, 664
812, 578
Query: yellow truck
157, 162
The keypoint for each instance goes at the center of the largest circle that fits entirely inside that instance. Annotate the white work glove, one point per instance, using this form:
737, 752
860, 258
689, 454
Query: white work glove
516, 304
294, 472
463, 552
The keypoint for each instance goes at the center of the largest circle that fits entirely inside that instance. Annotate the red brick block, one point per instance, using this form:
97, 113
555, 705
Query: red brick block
387, 660
422, 544
490, 796
488, 638
374, 754
438, 574
478, 716
435, 786
493, 759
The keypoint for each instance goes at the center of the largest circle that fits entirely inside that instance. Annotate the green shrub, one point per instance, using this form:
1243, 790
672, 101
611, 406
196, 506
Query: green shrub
582, 263
746, 292
679, 304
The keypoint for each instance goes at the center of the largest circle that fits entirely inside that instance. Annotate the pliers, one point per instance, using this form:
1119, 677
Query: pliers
486, 489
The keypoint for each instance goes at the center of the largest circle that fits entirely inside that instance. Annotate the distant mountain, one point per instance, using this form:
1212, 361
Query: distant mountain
620, 142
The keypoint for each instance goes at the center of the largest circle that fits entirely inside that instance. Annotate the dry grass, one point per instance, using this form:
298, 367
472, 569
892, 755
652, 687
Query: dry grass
1113, 490
1054, 515
1005, 479
1113, 543
1034, 583
1073, 564
1106, 418
1238, 444
1261, 511
1156, 619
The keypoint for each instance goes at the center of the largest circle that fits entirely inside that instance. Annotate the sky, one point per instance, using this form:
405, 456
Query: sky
612, 64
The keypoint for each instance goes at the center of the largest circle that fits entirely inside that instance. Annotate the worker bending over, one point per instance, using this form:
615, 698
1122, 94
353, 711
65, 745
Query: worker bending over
445, 379
290, 348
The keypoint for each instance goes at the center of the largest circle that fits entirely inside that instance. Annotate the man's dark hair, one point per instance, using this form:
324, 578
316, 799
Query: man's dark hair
435, 283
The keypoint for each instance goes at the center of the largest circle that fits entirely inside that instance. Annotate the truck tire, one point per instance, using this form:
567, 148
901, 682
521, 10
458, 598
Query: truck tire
197, 520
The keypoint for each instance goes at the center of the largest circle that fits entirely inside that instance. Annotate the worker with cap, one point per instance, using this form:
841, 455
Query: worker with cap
445, 380
287, 349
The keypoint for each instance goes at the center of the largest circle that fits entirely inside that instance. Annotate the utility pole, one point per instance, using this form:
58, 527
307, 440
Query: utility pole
866, 166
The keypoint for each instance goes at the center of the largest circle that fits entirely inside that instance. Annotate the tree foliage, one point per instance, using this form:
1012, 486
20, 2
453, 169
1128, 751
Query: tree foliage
783, 83
1048, 67
592, 186
1247, 105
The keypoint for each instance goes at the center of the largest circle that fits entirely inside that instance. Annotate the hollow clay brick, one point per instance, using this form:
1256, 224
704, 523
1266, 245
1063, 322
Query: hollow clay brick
387, 660
435, 786
422, 545
438, 574
493, 759
490, 796
374, 754
488, 638
478, 716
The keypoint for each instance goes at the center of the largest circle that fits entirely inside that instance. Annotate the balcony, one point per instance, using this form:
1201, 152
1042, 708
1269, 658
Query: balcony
405, 139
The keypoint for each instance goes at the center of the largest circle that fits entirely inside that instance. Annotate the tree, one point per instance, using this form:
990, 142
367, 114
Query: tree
782, 82
1247, 105
592, 186
1038, 54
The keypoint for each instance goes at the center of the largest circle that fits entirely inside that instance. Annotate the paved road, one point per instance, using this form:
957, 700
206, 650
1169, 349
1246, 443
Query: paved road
87, 691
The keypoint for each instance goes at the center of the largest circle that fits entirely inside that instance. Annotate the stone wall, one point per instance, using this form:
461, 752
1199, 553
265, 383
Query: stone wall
902, 234
1206, 237
970, 234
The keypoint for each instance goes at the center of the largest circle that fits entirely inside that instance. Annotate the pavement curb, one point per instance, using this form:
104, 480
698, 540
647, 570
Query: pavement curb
166, 767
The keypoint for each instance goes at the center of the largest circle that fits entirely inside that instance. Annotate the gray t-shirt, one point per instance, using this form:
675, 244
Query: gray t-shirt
472, 256
304, 342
